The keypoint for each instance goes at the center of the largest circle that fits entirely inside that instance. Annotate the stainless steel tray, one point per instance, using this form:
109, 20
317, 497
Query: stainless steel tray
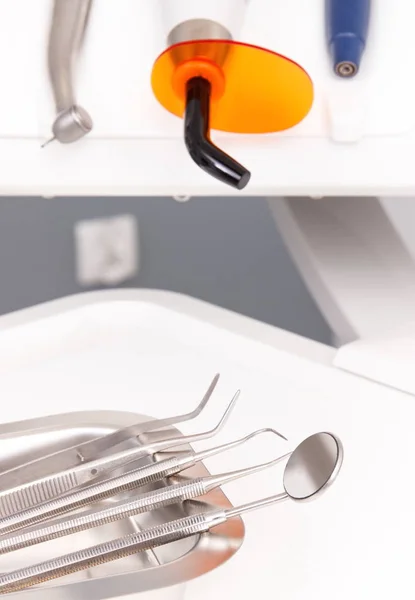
168, 565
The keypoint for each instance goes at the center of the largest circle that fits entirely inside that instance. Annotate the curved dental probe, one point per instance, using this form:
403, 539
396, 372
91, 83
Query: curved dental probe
171, 494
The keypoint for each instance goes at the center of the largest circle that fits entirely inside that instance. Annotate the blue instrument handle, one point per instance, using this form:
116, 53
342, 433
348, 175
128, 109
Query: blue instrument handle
347, 26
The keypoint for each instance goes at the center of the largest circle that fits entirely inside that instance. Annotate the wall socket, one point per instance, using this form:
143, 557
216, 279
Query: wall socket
107, 250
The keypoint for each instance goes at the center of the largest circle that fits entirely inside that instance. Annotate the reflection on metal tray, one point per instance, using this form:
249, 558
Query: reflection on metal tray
169, 565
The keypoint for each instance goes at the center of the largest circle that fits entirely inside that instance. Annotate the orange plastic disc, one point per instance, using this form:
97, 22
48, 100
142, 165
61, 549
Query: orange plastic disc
254, 90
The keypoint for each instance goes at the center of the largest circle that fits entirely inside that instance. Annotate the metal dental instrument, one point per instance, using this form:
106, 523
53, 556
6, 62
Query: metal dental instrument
42, 486
110, 487
178, 492
90, 450
347, 25
311, 469
69, 22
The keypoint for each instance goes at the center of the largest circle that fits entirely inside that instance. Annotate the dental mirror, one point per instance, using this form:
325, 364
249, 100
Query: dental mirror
313, 466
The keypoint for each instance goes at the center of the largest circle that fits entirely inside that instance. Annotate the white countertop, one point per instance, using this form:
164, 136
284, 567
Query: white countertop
155, 352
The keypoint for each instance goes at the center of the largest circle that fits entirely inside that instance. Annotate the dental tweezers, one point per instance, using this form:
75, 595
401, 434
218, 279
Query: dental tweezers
34, 482
110, 487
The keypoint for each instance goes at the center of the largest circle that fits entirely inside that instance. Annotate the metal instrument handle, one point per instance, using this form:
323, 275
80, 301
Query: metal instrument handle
93, 493
143, 503
32, 494
69, 21
28, 495
108, 551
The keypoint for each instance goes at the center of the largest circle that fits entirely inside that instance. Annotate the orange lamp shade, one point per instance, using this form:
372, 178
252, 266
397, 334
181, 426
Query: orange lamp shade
254, 90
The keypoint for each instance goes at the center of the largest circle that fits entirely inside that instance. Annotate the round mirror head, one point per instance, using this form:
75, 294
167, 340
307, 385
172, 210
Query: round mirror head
313, 466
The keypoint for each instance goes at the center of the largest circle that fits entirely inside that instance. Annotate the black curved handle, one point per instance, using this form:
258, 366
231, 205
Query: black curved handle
205, 154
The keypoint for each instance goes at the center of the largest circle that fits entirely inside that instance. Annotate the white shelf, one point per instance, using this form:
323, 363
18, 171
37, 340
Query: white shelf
359, 137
